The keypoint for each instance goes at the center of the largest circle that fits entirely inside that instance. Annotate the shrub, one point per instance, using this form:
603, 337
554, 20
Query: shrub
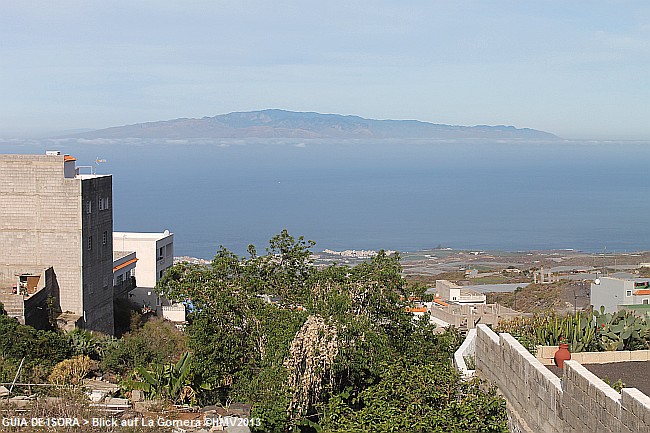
71, 371
157, 342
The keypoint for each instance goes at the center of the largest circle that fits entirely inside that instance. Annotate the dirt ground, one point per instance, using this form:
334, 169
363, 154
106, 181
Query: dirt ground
633, 374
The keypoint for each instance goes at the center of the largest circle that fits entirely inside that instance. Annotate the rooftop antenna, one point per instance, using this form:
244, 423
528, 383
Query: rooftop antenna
97, 162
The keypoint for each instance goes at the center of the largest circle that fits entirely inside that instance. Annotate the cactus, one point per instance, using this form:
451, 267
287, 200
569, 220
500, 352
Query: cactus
622, 331
583, 331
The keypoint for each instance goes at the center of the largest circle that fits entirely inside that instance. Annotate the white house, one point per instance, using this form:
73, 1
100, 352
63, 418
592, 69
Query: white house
614, 292
456, 294
155, 253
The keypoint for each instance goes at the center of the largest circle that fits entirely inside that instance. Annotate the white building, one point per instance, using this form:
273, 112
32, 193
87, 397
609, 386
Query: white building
613, 293
456, 294
155, 253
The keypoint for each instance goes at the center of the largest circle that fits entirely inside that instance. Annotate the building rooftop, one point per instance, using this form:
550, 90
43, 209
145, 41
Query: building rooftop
120, 254
136, 235
628, 278
90, 176
470, 293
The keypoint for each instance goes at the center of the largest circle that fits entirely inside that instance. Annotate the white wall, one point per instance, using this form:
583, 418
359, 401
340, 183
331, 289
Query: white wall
147, 247
610, 293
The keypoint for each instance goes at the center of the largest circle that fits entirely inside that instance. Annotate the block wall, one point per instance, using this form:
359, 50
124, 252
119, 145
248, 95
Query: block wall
538, 401
40, 224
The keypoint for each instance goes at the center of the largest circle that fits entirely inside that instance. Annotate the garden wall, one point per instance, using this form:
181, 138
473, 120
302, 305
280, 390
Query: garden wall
545, 355
538, 401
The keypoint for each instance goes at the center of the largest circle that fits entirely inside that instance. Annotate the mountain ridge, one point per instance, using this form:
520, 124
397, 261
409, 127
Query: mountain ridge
277, 123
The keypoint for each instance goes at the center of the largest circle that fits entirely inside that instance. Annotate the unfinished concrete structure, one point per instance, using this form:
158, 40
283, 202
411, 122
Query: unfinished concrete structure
465, 317
54, 216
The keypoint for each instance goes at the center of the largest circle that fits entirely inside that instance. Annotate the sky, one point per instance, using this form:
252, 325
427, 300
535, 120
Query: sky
579, 69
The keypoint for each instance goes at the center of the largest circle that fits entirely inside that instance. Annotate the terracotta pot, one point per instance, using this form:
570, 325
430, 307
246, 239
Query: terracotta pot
562, 355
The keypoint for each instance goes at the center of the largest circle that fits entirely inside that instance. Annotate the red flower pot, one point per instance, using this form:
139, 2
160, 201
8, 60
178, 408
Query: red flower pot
562, 355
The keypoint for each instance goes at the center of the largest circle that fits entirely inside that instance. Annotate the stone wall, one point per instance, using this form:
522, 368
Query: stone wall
538, 401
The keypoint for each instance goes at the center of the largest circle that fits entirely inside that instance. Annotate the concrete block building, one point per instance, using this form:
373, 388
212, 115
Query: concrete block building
53, 216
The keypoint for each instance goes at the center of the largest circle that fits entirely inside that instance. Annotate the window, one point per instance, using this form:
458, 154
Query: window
628, 293
645, 301
105, 238
120, 279
160, 253
89, 206
90, 243
103, 203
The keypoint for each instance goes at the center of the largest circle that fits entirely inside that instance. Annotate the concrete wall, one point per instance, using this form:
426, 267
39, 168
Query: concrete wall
467, 349
610, 292
545, 355
36, 305
41, 222
447, 290
32, 309
465, 316
538, 401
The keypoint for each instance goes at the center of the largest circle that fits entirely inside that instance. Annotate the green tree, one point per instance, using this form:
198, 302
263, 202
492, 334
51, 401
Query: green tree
336, 340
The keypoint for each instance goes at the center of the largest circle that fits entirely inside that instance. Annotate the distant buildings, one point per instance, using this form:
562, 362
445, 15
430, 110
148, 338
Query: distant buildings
618, 293
455, 294
460, 307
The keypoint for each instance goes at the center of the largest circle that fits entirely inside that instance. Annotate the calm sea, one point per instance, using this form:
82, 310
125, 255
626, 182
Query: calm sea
402, 196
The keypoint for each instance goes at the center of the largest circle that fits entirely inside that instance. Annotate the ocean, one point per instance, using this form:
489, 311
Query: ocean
404, 196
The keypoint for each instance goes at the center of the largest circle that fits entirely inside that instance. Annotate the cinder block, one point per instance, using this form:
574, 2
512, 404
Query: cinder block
637, 403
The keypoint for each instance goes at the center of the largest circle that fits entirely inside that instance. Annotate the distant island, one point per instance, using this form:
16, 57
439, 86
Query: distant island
308, 125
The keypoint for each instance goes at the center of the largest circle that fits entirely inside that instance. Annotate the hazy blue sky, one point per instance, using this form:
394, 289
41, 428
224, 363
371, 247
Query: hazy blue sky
580, 69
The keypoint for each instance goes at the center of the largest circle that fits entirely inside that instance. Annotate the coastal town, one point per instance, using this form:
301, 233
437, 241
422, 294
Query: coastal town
65, 271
